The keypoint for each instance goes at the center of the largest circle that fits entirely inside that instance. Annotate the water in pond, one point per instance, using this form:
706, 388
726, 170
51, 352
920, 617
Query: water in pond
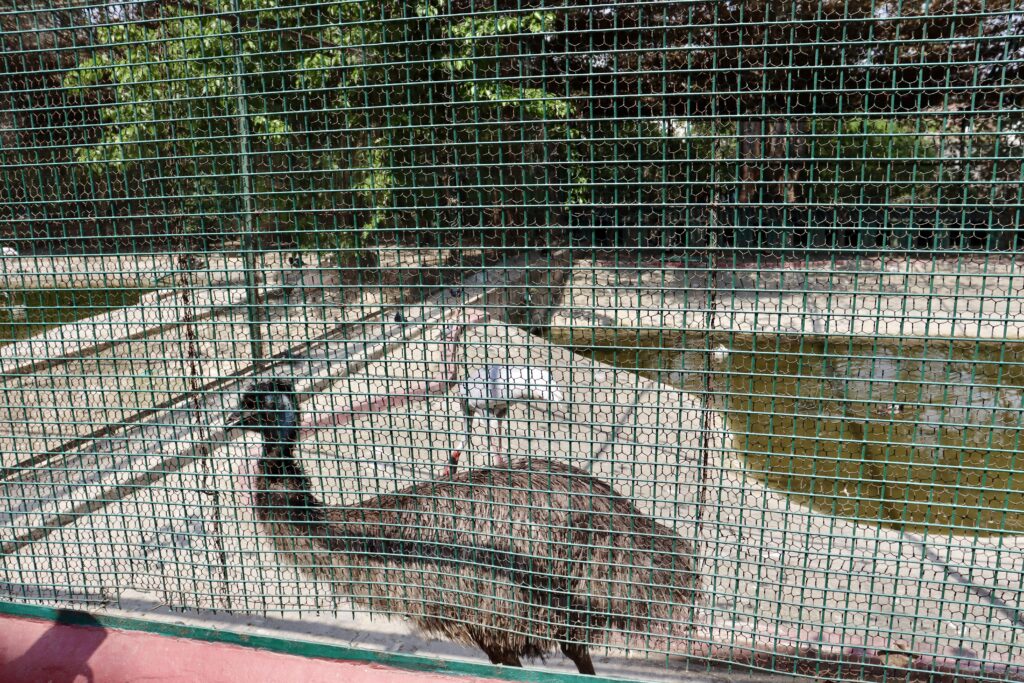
27, 312
922, 435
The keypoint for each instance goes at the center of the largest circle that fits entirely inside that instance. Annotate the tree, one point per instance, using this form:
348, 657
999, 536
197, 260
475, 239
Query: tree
335, 138
484, 117
38, 187
775, 76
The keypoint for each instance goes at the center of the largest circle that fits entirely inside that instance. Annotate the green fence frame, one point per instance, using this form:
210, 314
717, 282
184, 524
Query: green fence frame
769, 253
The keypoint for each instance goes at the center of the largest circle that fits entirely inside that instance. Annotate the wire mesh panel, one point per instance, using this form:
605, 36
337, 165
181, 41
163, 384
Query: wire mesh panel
679, 335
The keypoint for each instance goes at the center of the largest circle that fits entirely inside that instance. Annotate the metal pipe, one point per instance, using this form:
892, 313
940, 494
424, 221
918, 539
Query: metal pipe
255, 313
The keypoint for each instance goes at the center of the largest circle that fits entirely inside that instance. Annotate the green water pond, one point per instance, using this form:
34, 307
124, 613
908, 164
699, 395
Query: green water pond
921, 435
26, 313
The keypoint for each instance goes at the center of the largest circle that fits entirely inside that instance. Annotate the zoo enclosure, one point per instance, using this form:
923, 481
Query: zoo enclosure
798, 222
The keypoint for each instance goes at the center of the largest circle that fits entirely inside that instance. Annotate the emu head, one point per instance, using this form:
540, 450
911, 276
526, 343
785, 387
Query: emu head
270, 408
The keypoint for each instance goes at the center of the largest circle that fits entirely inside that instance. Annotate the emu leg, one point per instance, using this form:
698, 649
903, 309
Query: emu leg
580, 656
499, 655
503, 657
575, 637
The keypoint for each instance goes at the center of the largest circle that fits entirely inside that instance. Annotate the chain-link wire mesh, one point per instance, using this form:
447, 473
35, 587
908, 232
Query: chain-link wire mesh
712, 308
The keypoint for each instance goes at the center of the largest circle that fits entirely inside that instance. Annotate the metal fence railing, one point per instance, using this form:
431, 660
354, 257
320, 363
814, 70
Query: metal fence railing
682, 330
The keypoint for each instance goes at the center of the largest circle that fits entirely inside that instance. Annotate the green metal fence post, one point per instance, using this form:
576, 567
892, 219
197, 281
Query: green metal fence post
249, 244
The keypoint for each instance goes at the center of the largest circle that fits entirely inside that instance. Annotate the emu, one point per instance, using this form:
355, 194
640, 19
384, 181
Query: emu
516, 561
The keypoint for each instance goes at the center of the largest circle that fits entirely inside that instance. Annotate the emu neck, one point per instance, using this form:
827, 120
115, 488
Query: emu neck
279, 460
278, 469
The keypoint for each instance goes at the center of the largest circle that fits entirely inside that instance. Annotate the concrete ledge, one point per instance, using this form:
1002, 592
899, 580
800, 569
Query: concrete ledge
906, 298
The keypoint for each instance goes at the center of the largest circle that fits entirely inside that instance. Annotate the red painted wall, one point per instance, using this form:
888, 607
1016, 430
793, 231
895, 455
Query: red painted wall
35, 651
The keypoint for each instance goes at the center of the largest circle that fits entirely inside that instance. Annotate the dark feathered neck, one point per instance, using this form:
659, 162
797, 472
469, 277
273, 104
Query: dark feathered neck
278, 469
278, 460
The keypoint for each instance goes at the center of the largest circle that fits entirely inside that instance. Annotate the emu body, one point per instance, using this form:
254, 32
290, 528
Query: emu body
516, 561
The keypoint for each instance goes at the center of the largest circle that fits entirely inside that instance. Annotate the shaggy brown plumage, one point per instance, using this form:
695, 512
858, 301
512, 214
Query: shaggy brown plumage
516, 560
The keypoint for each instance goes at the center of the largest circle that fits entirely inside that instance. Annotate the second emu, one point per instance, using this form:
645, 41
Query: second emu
516, 561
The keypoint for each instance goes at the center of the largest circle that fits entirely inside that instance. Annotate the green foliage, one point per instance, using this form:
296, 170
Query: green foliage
169, 107
384, 121
166, 82
364, 116
872, 161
